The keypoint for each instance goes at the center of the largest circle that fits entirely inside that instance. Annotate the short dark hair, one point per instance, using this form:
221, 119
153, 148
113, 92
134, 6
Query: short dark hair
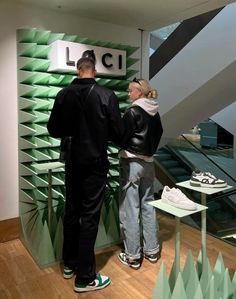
85, 64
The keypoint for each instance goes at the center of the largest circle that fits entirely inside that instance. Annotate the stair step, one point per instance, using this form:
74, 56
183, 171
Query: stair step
163, 156
170, 163
177, 171
182, 178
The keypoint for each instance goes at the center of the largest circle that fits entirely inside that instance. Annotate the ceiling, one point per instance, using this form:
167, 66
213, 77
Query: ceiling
143, 14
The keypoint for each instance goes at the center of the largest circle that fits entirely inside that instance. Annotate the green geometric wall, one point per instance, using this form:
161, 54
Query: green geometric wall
37, 89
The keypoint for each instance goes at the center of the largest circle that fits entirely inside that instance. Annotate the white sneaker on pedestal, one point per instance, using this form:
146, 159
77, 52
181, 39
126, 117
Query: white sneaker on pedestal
176, 198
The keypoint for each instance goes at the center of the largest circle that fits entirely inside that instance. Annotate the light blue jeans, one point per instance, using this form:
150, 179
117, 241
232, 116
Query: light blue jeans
138, 222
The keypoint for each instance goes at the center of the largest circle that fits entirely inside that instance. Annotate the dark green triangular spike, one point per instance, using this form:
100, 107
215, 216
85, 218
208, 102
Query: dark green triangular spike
26, 35
129, 49
211, 289
26, 49
55, 36
219, 269
179, 291
28, 77
84, 40
33, 64
124, 105
130, 73
45, 250
188, 267
130, 61
60, 80
70, 38
41, 116
27, 104
122, 95
41, 51
41, 37
25, 117
26, 129
198, 294
161, 288
27, 142
193, 283
26, 170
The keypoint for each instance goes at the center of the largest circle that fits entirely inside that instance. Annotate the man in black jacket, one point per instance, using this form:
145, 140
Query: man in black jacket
90, 114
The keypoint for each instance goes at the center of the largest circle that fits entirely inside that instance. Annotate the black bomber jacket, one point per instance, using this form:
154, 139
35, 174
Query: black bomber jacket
146, 131
93, 121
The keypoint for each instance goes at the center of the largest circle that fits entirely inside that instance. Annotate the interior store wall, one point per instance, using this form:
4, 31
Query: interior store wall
13, 16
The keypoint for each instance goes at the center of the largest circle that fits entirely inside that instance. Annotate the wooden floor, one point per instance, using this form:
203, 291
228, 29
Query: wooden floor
20, 277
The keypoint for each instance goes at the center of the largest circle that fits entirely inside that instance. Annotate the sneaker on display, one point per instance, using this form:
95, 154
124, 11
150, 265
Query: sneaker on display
100, 282
206, 179
176, 198
134, 264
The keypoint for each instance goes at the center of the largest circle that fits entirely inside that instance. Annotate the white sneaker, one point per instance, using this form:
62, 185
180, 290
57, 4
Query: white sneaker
206, 179
177, 198
100, 282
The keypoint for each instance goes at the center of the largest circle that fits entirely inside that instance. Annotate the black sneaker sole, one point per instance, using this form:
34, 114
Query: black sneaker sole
204, 185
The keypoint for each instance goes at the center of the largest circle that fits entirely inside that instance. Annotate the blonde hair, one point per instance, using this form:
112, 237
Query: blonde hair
145, 87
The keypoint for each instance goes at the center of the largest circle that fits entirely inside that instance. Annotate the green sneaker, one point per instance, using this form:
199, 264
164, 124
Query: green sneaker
98, 283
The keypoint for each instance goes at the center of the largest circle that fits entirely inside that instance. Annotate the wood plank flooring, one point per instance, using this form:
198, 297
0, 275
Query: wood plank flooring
21, 278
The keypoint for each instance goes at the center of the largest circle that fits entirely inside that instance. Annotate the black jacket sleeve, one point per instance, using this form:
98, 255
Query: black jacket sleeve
130, 126
60, 123
116, 126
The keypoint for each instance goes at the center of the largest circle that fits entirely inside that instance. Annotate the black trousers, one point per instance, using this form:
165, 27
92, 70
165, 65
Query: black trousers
85, 188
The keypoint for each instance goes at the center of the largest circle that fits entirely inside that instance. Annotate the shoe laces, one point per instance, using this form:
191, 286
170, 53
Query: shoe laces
210, 175
178, 192
181, 195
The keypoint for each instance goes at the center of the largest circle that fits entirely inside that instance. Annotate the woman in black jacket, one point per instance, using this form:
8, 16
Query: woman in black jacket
137, 217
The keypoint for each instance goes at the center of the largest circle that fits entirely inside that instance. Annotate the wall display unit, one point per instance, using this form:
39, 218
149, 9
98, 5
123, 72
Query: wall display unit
41, 228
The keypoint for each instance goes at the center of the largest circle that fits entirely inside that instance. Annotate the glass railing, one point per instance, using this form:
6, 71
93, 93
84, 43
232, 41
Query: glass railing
179, 157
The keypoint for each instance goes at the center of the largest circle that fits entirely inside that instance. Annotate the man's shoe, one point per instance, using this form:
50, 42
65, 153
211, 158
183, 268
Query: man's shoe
68, 272
134, 264
176, 198
100, 282
206, 179
152, 258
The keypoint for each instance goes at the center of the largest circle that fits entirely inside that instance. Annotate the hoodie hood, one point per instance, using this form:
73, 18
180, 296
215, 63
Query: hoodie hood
148, 105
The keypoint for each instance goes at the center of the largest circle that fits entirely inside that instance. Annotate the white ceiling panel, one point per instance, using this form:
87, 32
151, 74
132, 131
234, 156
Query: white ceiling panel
143, 14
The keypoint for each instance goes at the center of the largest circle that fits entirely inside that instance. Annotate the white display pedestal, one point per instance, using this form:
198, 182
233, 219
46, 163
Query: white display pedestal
49, 166
178, 213
204, 192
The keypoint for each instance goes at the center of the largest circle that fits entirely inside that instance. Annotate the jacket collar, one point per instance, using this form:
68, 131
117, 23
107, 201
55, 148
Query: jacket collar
84, 81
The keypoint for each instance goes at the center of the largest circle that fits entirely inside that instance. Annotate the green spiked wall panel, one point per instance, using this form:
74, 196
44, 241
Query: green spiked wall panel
195, 283
37, 88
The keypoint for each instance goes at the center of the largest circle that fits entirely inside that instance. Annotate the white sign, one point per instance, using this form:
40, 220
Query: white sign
64, 55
